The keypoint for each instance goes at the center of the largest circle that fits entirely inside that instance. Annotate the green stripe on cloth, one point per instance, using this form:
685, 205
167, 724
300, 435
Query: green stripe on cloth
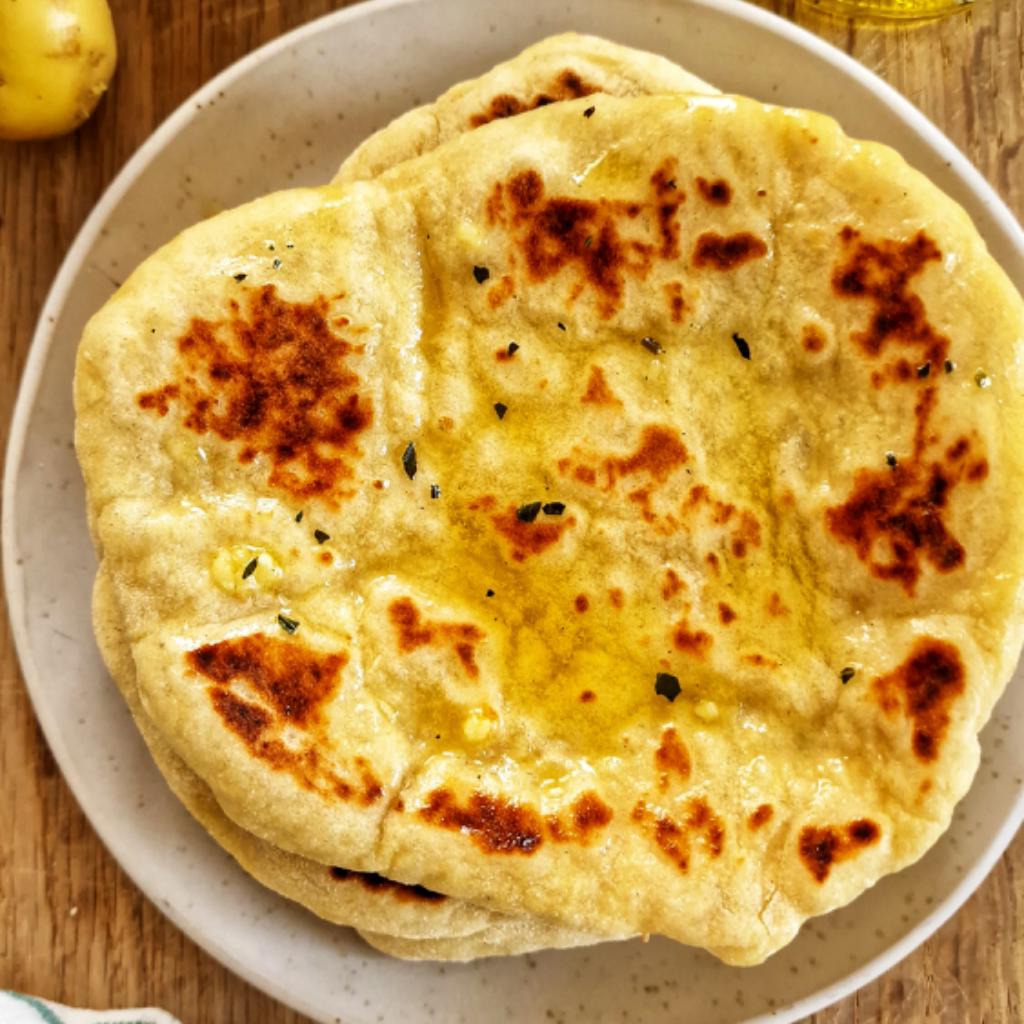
45, 1013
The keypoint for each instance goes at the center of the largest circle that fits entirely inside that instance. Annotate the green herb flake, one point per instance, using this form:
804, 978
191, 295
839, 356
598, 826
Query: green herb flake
298, 518
513, 348
949, 366
588, 241
667, 686
561, 326
924, 370
481, 274
500, 408
527, 513
435, 491
652, 345
240, 277
490, 593
554, 508
277, 263
409, 460
589, 112
288, 625
847, 674
890, 459
321, 536
250, 568
982, 379
741, 345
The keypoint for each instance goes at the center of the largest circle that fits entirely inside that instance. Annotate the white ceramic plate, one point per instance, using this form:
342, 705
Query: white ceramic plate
286, 115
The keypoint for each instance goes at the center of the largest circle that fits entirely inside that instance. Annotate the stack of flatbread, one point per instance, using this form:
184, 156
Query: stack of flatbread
594, 514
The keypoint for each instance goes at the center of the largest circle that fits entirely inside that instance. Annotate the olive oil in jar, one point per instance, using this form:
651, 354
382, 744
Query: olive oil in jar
890, 8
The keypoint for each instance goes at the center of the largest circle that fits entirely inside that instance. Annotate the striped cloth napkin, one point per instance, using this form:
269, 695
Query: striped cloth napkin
16, 1008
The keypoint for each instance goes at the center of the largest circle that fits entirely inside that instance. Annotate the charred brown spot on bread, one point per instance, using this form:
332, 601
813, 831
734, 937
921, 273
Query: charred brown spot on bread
696, 643
676, 301
880, 273
158, 401
494, 824
276, 382
566, 85
775, 607
415, 632
603, 241
717, 192
587, 697
760, 817
673, 585
812, 338
727, 252
530, 538
894, 517
925, 686
378, 883
598, 392
261, 686
675, 838
822, 847
726, 614
584, 817
616, 597
659, 453
292, 679
672, 757
581, 603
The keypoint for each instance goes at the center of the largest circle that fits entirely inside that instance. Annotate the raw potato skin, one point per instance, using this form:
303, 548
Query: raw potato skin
56, 60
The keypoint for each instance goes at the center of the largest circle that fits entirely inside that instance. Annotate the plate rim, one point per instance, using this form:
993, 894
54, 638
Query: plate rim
14, 578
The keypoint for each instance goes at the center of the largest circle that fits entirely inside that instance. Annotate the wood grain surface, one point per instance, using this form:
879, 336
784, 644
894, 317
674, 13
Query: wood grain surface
72, 926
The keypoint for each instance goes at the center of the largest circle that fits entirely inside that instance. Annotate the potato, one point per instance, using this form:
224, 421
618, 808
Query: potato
56, 60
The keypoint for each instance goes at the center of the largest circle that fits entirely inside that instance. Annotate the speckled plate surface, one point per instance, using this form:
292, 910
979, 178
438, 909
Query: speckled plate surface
291, 111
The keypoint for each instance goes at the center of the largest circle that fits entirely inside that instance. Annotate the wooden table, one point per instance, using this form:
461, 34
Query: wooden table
72, 926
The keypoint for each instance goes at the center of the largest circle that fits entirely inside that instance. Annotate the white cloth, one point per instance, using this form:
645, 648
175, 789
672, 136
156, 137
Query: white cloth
16, 1008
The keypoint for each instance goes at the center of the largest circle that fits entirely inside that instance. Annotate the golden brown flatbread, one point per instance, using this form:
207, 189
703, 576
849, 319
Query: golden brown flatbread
607, 516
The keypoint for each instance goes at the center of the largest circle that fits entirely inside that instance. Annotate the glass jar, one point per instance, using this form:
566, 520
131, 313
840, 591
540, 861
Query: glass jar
890, 8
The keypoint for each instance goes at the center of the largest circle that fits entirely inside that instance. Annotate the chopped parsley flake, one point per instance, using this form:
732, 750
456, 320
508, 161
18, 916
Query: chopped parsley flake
741, 345
490, 593
250, 568
554, 508
481, 274
409, 460
949, 366
298, 518
561, 326
500, 408
589, 112
890, 460
435, 490
513, 348
847, 674
982, 379
527, 513
240, 277
667, 686
924, 369
652, 345
321, 536
288, 625
277, 263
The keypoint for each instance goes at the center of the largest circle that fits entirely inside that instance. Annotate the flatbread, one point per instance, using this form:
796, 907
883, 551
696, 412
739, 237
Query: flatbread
762, 376
568, 65
558, 68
